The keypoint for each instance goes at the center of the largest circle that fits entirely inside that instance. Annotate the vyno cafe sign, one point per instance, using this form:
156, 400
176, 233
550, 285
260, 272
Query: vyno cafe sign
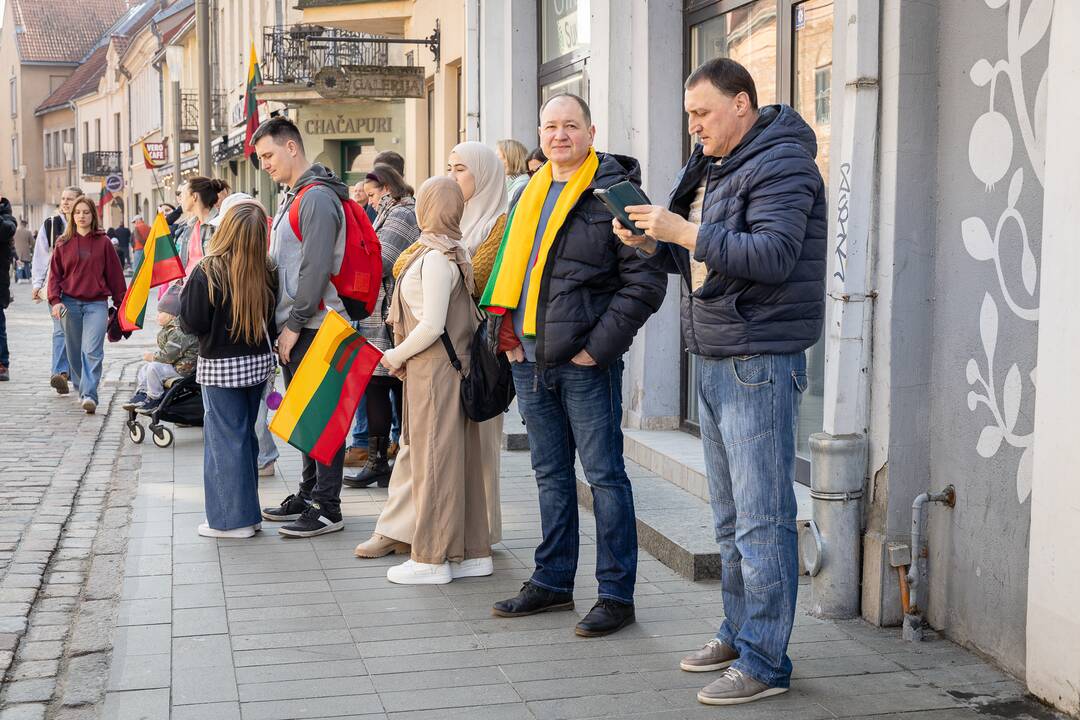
370, 81
154, 155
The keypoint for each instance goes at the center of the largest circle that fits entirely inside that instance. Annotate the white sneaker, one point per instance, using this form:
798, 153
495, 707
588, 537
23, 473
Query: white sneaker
477, 567
241, 532
414, 573
267, 470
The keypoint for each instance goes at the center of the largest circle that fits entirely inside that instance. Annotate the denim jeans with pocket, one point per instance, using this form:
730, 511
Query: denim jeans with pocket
59, 349
568, 408
749, 408
230, 452
84, 336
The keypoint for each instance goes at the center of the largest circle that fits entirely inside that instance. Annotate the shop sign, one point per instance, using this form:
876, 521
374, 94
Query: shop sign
114, 183
154, 155
342, 125
370, 81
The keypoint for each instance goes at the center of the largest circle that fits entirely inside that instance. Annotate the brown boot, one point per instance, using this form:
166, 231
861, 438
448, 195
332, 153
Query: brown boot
355, 457
378, 546
393, 451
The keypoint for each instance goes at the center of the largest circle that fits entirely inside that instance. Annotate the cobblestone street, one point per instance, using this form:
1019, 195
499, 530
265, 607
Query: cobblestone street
112, 606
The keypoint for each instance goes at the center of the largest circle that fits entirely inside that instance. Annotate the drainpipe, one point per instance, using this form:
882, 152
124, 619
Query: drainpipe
913, 617
471, 83
832, 541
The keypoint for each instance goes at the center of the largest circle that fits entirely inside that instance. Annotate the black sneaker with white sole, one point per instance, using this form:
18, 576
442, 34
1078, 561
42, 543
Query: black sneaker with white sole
316, 520
291, 508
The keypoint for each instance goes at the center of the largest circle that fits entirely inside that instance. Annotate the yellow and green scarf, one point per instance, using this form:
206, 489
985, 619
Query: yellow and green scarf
504, 285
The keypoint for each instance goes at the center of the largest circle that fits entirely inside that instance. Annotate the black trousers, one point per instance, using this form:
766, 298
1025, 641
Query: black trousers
381, 391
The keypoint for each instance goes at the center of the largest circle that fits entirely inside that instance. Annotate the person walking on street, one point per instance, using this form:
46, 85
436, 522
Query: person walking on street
433, 301
229, 301
140, 234
305, 264
123, 245
745, 228
576, 297
83, 272
395, 225
24, 252
47, 236
8, 229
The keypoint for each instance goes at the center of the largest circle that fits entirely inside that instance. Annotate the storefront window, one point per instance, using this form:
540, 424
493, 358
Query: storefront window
574, 84
791, 62
565, 28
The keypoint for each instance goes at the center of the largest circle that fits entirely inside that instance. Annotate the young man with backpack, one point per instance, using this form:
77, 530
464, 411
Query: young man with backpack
308, 242
50, 231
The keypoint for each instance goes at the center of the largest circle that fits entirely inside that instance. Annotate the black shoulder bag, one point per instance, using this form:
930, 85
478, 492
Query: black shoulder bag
488, 388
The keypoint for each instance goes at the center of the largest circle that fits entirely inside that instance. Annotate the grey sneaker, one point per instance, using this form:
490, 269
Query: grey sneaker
714, 656
735, 687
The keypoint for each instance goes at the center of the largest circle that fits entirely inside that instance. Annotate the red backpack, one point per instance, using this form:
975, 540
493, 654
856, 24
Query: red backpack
360, 277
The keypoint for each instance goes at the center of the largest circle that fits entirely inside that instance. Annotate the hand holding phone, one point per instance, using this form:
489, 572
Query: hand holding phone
618, 197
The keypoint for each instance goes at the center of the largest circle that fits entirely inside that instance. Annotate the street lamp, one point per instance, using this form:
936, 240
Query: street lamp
174, 58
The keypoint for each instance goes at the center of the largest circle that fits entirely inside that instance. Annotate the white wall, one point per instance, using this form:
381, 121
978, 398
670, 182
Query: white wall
1053, 625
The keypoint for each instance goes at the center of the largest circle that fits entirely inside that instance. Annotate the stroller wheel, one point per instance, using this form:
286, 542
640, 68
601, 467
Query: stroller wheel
136, 432
163, 436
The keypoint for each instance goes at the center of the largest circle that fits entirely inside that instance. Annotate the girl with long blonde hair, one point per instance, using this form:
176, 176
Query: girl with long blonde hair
228, 302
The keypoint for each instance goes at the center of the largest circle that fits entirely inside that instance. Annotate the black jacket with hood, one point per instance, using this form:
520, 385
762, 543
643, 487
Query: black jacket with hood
595, 292
762, 238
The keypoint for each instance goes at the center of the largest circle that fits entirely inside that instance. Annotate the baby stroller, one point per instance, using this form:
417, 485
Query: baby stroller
182, 404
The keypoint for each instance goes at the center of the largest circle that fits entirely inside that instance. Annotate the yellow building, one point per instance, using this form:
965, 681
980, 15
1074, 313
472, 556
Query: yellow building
429, 125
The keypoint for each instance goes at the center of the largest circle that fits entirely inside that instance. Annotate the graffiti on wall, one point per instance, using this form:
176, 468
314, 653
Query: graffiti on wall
991, 157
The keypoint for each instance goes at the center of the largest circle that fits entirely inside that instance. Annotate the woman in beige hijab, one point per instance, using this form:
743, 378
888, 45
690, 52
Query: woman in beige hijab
479, 173
432, 300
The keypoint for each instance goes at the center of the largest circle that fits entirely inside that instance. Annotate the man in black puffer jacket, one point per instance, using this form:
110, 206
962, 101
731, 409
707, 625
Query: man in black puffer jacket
7, 255
576, 297
746, 230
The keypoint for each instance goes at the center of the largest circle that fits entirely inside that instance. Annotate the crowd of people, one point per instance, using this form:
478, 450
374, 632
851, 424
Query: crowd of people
744, 229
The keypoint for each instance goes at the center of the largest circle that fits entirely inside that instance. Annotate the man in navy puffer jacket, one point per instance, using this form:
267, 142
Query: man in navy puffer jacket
746, 229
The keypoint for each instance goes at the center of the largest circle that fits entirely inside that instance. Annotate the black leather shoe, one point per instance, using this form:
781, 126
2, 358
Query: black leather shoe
376, 470
606, 617
532, 600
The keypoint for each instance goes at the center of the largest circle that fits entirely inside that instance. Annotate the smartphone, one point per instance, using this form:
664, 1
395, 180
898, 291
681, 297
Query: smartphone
620, 196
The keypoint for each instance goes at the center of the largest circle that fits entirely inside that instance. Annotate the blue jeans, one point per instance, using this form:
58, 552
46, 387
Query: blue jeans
749, 408
59, 349
566, 408
84, 336
359, 431
230, 450
5, 359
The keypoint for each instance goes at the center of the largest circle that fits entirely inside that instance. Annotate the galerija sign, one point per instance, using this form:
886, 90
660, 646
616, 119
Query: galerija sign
370, 81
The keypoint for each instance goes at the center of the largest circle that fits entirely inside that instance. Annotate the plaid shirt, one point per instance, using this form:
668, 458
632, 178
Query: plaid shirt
235, 372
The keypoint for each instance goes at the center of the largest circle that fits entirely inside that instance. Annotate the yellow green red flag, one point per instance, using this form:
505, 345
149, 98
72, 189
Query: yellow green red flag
319, 404
160, 264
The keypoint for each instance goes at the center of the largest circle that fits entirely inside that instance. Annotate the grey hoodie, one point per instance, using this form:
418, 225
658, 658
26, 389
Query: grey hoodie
304, 268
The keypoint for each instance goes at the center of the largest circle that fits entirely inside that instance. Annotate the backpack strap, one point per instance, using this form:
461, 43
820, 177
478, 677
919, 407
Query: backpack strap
294, 212
450, 352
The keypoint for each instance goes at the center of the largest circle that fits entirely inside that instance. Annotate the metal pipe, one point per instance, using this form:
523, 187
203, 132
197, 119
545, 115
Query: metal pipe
913, 618
202, 33
178, 126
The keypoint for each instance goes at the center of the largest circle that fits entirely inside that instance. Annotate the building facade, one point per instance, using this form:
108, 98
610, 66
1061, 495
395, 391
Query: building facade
932, 127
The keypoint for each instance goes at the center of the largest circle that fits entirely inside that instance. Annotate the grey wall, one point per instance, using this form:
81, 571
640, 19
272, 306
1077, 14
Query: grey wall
989, 162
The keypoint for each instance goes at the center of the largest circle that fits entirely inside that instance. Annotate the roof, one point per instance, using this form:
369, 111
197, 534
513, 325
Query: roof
62, 33
83, 81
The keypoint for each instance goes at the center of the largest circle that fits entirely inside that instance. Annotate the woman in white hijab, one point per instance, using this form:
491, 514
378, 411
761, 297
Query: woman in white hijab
481, 176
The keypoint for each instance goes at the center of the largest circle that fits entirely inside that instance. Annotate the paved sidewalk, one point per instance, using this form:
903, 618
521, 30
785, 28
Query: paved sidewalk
271, 628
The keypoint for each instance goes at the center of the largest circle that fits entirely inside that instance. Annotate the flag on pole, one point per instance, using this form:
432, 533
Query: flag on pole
160, 264
319, 404
251, 103
106, 199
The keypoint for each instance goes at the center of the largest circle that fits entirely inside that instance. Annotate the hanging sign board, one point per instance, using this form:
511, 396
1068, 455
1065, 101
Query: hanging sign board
370, 81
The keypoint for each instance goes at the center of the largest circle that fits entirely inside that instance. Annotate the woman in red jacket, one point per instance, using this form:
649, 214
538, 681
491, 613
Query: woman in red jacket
83, 272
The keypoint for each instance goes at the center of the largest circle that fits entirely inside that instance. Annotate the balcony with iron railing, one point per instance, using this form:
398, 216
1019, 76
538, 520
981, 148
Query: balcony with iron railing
189, 115
292, 55
101, 163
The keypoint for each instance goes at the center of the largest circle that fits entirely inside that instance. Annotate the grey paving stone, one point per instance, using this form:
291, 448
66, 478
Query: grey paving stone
612, 684
300, 671
299, 689
198, 596
202, 651
144, 588
599, 706
26, 711
85, 679
199, 621
35, 669
207, 711
303, 654
104, 582
196, 573
311, 708
453, 677
137, 705
134, 640
46, 650
425, 699
191, 685
26, 691
93, 627
139, 672
516, 711
144, 612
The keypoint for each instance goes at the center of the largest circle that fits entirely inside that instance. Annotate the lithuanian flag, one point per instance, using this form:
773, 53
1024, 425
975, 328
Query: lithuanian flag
319, 404
160, 264
251, 103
